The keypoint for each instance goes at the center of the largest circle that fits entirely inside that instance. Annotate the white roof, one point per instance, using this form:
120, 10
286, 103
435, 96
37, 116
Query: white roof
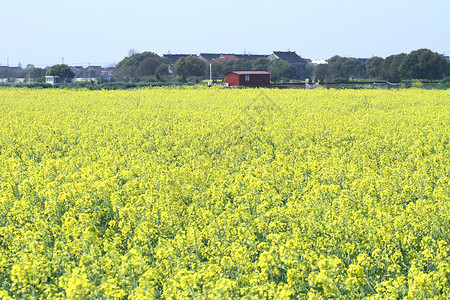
320, 61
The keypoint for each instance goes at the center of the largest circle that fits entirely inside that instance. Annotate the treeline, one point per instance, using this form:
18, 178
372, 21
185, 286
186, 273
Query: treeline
90, 86
280, 70
419, 64
37, 75
148, 67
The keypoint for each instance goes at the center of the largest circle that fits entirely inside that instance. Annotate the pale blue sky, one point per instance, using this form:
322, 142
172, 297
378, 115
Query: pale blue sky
102, 32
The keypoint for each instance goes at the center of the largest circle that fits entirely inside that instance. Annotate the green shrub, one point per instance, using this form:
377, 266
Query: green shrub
341, 80
444, 82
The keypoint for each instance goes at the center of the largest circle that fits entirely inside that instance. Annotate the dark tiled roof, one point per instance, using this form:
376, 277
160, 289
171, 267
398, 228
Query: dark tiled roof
226, 57
10, 68
250, 56
289, 56
210, 56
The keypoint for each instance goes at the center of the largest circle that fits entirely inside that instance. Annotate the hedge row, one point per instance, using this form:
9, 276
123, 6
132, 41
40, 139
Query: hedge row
91, 86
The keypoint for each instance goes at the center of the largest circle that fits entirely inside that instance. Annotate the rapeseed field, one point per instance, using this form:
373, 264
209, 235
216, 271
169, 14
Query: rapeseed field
196, 193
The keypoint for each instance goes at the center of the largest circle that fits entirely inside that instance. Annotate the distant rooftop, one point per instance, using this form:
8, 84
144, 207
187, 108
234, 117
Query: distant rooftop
226, 57
210, 56
289, 56
320, 61
174, 57
250, 56
249, 72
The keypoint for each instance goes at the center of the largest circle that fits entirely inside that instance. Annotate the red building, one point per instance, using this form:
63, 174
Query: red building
226, 57
247, 78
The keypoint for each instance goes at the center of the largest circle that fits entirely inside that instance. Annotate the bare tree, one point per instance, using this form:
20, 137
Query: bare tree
132, 52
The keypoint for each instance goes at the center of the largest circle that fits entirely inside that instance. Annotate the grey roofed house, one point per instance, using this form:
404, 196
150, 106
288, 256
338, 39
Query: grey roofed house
289, 56
250, 56
98, 68
9, 72
209, 57
9, 68
293, 59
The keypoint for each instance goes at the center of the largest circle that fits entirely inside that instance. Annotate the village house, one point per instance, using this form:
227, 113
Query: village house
209, 57
212, 57
293, 59
51, 79
247, 78
226, 57
250, 57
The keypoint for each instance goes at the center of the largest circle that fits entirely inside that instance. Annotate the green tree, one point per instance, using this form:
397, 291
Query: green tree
242, 64
353, 68
190, 66
374, 67
217, 69
391, 67
335, 63
148, 66
346, 67
36, 75
310, 71
63, 71
323, 73
281, 70
261, 64
161, 71
423, 64
126, 68
228, 66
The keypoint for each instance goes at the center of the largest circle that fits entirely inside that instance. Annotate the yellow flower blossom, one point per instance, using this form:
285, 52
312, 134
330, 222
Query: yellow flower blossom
214, 193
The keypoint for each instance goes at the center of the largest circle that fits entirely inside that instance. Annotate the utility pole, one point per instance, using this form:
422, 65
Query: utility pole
210, 75
62, 60
7, 61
